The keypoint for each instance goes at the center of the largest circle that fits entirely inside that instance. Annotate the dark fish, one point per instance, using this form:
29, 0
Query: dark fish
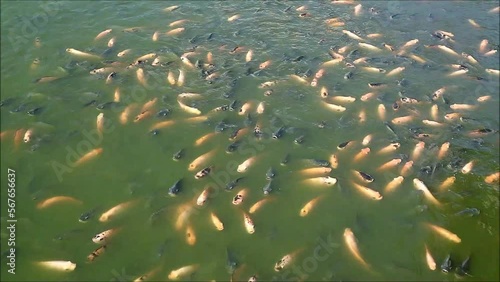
178, 155
35, 111
175, 189
388, 126
232, 147
469, 212
366, 176
348, 75
232, 106
231, 262
285, 159
84, 217
210, 36
20, 108
376, 84
463, 269
342, 145
154, 132
66, 235
90, 103
154, 216
232, 184
278, 133
267, 188
248, 120
162, 248
299, 140
162, 113
298, 59
270, 173
107, 52
106, 105
6, 102
447, 266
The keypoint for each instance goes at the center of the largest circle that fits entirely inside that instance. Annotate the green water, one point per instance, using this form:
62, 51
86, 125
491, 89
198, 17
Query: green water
137, 165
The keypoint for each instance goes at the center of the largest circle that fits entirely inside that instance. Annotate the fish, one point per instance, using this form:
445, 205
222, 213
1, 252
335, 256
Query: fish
362, 153
352, 245
175, 31
309, 206
28, 135
148, 275
81, 54
204, 195
180, 79
123, 53
446, 266
190, 236
363, 176
419, 185
104, 235
243, 167
84, 217
492, 178
100, 123
322, 180
204, 138
268, 188
114, 211
233, 18
171, 8
199, 161
430, 260
389, 148
161, 124
406, 169
258, 205
140, 76
126, 112
217, 222
394, 183
352, 35
249, 225
96, 253
184, 211
103, 34
189, 109
447, 183
249, 56
182, 272
111, 42
390, 164
59, 265
334, 107
171, 78
88, 156
240, 196
175, 188
265, 64
445, 233
368, 192
467, 167
57, 199
316, 171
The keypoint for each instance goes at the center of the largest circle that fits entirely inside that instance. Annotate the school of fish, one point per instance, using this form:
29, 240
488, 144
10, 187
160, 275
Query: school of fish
412, 120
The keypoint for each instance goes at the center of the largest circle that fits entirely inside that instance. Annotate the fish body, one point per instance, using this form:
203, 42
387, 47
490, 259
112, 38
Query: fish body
352, 246
182, 272
249, 225
114, 211
175, 188
58, 265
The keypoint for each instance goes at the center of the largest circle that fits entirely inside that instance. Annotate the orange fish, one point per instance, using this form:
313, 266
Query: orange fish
88, 156
57, 199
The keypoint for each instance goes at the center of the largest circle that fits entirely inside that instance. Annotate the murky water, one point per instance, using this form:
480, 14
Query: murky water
136, 165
